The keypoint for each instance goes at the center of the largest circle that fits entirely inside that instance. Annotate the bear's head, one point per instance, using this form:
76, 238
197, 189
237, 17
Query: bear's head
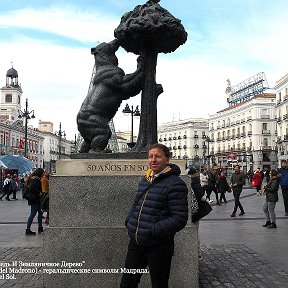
104, 53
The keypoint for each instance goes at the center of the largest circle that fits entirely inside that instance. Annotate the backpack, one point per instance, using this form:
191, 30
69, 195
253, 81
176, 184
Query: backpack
27, 194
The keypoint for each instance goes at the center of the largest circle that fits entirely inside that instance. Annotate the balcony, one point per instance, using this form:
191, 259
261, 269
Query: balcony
278, 119
242, 120
278, 102
249, 133
285, 117
195, 136
285, 137
266, 132
243, 134
265, 116
249, 118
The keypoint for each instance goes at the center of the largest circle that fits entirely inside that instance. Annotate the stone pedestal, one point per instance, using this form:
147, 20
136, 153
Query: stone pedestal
87, 229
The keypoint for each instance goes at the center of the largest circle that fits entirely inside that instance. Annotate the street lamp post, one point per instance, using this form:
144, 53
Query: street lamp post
133, 113
26, 114
60, 134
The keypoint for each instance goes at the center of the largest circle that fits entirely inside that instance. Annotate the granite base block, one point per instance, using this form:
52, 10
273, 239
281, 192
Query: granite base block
87, 215
105, 248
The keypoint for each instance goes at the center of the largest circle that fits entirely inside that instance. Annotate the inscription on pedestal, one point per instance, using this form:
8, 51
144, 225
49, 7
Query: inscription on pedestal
107, 167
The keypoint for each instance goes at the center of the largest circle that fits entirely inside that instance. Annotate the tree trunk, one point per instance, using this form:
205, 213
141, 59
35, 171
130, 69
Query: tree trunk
148, 119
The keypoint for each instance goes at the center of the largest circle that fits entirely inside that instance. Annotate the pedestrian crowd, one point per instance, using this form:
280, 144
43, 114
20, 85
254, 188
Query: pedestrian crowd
265, 182
36, 185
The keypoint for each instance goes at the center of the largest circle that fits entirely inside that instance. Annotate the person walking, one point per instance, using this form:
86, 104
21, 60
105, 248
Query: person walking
160, 209
222, 186
212, 177
14, 187
6, 188
283, 171
204, 179
34, 186
237, 183
271, 190
257, 181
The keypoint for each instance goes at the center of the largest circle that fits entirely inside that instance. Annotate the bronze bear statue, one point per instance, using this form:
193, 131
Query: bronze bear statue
110, 87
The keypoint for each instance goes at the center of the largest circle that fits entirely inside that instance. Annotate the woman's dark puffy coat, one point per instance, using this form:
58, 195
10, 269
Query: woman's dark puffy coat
272, 190
222, 184
162, 210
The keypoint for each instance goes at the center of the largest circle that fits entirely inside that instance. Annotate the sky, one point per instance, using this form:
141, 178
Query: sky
49, 42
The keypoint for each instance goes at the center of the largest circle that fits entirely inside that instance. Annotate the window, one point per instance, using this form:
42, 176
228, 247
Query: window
264, 126
265, 142
8, 98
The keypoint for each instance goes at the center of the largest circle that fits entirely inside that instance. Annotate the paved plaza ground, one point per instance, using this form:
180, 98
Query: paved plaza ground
236, 252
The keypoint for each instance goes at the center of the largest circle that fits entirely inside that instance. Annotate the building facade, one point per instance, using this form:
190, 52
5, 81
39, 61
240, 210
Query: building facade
55, 145
12, 131
187, 139
281, 88
245, 133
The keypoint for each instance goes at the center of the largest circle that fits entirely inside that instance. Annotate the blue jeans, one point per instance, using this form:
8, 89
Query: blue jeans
157, 258
34, 209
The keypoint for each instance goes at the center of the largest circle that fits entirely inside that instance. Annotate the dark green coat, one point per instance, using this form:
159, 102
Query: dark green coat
272, 190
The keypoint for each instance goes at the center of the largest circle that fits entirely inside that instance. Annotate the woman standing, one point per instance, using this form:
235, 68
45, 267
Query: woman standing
271, 190
34, 186
222, 186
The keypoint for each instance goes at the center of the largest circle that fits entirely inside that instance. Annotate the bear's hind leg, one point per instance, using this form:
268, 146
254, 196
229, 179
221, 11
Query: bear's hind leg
85, 147
100, 141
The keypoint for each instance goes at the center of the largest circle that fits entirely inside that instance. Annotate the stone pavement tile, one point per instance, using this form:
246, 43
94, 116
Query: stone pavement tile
26, 255
237, 266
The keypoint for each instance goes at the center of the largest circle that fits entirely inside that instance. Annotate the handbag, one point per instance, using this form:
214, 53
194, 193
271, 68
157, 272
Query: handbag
204, 208
194, 203
253, 183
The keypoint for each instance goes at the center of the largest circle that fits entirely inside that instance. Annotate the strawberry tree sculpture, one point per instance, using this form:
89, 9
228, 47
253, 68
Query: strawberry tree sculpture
146, 31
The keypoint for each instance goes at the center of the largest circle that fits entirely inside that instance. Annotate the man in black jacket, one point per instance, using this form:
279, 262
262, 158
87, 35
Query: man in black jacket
237, 182
160, 210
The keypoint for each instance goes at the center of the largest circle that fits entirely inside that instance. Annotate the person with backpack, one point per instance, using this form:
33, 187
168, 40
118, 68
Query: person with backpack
32, 192
6, 187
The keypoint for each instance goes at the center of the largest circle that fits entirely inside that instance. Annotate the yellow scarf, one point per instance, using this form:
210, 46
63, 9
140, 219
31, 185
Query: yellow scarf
150, 176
